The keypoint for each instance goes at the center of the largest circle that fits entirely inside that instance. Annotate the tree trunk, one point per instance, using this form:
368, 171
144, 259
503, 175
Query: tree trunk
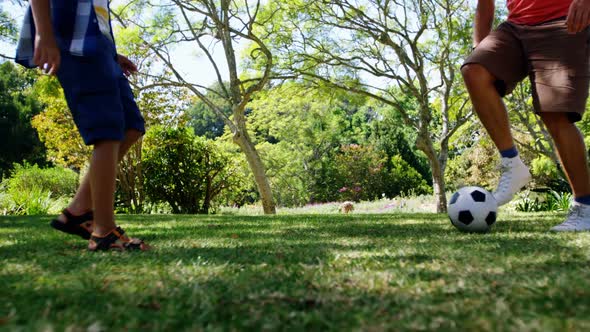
424, 143
258, 170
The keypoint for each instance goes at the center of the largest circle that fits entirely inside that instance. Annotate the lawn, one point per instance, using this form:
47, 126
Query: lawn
298, 272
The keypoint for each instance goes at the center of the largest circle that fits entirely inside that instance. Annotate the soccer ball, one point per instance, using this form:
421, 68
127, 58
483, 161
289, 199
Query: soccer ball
473, 209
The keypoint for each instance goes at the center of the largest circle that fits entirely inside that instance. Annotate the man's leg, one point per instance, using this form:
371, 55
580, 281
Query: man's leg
571, 149
493, 114
82, 201
488, 104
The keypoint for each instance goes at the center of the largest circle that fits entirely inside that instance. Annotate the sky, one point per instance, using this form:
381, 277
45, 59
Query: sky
196, 68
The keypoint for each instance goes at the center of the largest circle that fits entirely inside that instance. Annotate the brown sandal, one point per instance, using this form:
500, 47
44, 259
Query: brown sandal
77, 225
116, 240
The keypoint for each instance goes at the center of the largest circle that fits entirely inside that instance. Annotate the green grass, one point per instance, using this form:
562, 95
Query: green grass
298, 272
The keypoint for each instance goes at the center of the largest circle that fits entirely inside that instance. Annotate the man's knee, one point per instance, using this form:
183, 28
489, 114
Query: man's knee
476, 75
556, 121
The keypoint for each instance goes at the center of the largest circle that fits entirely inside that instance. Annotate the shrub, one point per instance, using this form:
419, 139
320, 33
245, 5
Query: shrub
58, 181
405, 180
183, 170
543, 202
33, 191
546, 173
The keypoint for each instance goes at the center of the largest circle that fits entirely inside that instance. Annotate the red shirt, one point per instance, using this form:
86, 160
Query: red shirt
530, 12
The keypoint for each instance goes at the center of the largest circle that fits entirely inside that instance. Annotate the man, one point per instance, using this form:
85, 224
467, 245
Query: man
547, 40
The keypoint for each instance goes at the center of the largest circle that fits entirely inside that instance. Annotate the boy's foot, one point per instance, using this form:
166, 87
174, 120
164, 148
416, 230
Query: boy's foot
578, 219
515, 175
77, 225
116, 240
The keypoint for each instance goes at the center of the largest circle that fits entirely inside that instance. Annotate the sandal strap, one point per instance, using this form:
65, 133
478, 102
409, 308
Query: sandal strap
77, 220
116, 239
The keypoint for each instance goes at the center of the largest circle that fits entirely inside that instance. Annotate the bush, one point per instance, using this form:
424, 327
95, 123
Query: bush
544, 202
366, 175
405, 180
183, 170
34, 191
58, 181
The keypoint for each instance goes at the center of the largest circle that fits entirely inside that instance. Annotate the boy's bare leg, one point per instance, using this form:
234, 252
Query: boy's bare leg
103, 173
82, 201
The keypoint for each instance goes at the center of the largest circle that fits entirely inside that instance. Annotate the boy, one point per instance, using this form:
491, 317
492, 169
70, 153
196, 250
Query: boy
73, 40
547, 40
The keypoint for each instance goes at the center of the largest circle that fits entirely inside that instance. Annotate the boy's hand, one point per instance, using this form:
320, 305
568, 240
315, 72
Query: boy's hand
578, 17
127, 65
47, 55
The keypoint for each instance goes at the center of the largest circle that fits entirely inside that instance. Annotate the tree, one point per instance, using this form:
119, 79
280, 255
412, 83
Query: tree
7, 30
18, 105
208, 22
56, 127
390, 51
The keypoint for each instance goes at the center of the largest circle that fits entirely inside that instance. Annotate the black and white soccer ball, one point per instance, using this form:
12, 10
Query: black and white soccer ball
473, 209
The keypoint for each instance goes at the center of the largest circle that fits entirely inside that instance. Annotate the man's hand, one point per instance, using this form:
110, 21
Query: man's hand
127, 65
578, 17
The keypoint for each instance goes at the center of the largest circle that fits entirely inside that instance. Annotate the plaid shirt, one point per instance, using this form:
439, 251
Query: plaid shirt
75, 26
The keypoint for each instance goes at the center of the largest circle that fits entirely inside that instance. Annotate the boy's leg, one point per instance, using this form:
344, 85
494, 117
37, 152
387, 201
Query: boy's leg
103, 173
82, 202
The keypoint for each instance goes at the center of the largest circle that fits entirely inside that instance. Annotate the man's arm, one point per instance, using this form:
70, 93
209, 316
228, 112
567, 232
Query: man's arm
484, 18
578, 17
47, 55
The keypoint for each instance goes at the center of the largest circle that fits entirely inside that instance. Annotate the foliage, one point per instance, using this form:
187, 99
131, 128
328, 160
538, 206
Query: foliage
474, 161
58, 181
7, 29
403, 179
31, 190
547, 174
543, 202
183, 170
384, 50
18, 140
300, 130
208, 26
34, 202
56, 127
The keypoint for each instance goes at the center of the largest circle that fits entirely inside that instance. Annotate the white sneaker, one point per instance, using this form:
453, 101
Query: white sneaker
578, 219
515, 175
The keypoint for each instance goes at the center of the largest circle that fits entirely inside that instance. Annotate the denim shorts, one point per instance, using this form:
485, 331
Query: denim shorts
99, 96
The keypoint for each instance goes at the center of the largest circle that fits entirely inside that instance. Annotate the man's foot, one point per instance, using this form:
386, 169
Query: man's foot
578, 219
515, 175
76, 225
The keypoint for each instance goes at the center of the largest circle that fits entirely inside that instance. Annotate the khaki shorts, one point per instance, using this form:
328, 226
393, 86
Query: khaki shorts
556, 62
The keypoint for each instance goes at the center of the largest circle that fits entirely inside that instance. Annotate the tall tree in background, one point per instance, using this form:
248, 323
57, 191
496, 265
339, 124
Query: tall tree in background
206, 24
380, 48
18, 140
